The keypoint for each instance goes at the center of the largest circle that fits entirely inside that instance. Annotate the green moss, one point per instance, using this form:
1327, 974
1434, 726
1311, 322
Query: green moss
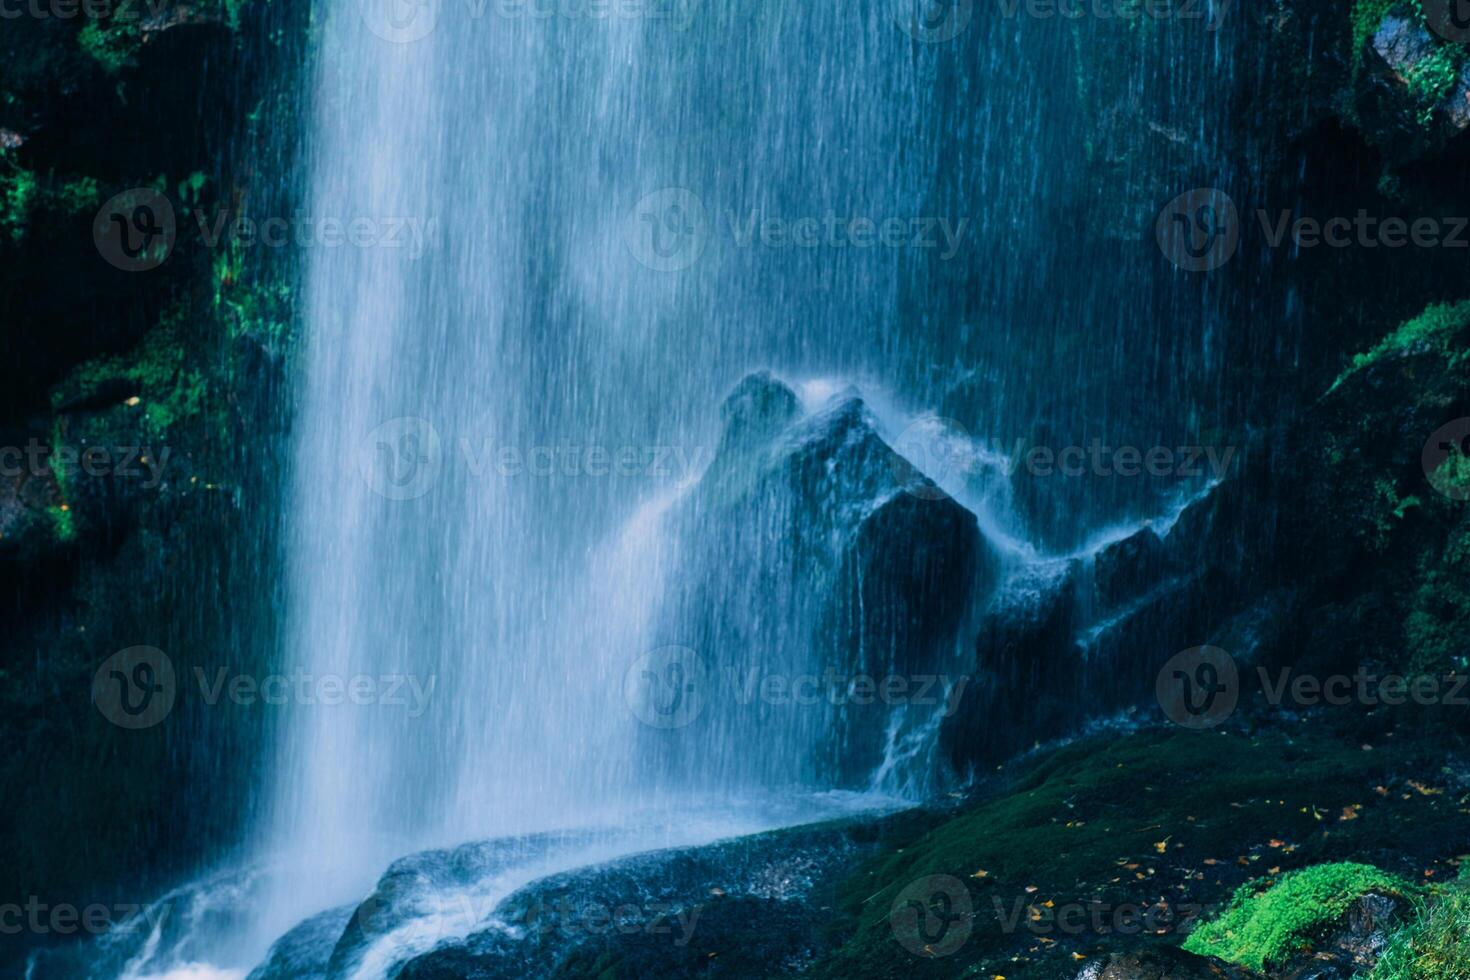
191, 188
1266, 924
1438, 623
1453, 476
263, 312
63, 523
1434, 329
1436, 946
1387, 510
1367, 15
78, 195
112, 43
1428, 81
18, 192
167, 388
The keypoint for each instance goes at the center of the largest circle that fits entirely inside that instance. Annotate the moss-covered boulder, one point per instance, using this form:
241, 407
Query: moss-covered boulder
1338, 911
1411, 91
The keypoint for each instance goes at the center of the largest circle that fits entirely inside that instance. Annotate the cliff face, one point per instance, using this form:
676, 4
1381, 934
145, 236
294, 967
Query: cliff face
142, 381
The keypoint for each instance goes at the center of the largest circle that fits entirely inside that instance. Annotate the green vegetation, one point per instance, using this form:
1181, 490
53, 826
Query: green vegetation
156, 378
1430, 79
1439, 616
112, 43
63, 524
1367, 15
1111, 822
1435, 329
1267, 924
18, 192
1436, 946
1388, 509
78, 195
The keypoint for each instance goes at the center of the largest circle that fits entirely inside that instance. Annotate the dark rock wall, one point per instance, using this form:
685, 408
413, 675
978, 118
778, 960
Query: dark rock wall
175, 378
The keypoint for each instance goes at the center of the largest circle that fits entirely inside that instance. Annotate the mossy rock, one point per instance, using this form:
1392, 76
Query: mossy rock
1267, 924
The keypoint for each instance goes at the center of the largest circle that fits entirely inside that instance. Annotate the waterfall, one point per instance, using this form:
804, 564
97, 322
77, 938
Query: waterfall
592, 222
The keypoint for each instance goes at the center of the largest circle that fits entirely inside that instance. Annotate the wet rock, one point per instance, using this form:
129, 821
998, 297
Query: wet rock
734, 938
1411, 97
735, 908
409, 900
305, 951
1353, 945
759, 408
1129, 567
809, 547
1027, 673
1161, 963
